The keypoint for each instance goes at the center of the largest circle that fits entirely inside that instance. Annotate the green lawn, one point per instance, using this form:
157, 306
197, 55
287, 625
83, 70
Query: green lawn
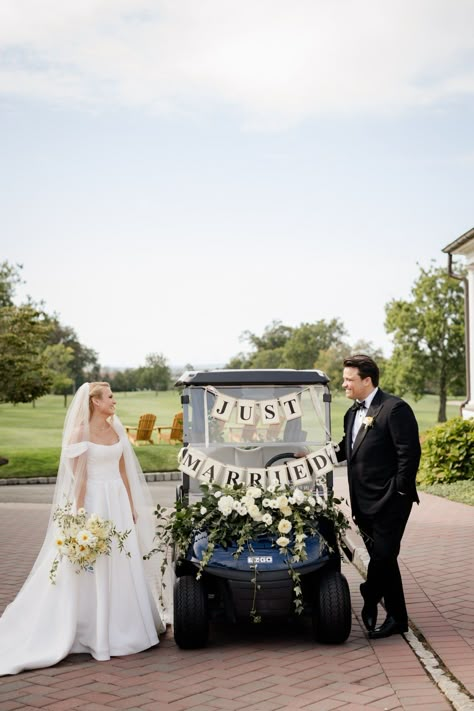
31, 436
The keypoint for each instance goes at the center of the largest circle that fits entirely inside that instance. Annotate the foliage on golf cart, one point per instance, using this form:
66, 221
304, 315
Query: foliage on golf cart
237, 515
448, 452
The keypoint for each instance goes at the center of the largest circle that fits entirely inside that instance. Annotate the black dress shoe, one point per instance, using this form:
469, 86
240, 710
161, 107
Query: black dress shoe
389, 627
369, 611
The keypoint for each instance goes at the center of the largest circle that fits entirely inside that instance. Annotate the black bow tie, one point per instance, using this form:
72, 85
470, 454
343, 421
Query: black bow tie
359, 405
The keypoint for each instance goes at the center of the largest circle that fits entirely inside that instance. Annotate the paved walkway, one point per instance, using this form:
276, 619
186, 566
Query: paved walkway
278, 667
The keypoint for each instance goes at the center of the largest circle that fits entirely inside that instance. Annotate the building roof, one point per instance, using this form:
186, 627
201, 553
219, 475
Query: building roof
456, 247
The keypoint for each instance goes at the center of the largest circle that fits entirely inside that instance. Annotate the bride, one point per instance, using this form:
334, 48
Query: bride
113, 610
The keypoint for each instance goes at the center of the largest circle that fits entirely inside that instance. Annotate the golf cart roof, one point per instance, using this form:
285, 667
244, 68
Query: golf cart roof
252, 376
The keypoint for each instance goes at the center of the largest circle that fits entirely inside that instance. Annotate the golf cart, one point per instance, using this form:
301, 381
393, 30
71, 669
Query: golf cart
263, 429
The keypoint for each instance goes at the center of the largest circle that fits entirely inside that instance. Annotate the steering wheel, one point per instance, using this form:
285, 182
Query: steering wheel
277, 457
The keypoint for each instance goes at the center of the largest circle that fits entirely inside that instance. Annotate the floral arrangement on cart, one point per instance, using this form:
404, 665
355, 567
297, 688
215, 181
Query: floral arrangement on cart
238, 515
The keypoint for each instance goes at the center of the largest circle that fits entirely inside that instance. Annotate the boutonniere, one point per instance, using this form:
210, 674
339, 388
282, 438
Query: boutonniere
368, 422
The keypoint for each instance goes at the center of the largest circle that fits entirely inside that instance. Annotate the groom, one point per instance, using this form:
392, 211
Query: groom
382, 449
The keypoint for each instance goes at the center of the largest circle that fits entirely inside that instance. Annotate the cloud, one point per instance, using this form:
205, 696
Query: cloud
277, 62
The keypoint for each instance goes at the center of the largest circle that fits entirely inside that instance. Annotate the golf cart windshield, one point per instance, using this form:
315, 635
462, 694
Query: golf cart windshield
248, 415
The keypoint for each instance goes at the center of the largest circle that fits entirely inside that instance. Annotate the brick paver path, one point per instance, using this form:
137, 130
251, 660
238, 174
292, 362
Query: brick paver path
437, 564
251, 668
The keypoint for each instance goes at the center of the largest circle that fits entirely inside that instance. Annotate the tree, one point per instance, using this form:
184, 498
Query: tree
268, 348
156, 374
428, 338
84, 364
9, 278
302, 349
59, 358
24, 372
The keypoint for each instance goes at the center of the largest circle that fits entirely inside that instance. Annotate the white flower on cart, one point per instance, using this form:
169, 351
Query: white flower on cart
226, 505
298, 496
285, 526
242, 509
267, 519
254, 512
254, 492
282, 502
311, 501
283, 541
203, 511
266, 503
285, 510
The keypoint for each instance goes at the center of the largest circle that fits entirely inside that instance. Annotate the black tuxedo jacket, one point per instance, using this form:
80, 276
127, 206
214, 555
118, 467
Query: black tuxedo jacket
384, 459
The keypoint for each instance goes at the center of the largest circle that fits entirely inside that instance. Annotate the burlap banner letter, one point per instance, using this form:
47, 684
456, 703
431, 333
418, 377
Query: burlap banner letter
299, 471
320, 462
257, 477
191, 461
211, 471
223, 407
278, 475
234, 475
291, 406
246, 412
269, 412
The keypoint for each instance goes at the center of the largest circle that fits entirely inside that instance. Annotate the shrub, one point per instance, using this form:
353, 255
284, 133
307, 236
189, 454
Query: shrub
447, 452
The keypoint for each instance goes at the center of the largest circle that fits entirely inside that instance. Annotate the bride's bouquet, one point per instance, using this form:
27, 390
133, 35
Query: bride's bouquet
82, 539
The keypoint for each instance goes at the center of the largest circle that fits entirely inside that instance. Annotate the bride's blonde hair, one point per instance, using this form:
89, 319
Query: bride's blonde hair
95, 390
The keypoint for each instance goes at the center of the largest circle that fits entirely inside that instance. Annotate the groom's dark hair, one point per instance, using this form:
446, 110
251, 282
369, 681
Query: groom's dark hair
367, 367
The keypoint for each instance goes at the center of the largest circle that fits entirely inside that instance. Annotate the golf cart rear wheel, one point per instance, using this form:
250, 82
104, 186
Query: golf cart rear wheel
191, 626
332, 617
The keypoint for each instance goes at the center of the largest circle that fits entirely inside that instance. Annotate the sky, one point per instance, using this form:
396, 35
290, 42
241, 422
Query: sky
174, 173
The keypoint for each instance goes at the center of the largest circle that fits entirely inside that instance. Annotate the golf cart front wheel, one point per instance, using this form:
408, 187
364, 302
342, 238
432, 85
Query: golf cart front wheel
332, 617
191, 626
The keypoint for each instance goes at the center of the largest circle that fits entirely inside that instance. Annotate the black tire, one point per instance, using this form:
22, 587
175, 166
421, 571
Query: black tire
332, 618
191, 626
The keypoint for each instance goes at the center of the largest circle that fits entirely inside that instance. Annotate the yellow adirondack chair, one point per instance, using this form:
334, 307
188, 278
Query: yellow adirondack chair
176, 430
143, 433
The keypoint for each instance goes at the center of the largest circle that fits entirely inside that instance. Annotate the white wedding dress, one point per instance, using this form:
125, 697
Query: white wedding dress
108, 612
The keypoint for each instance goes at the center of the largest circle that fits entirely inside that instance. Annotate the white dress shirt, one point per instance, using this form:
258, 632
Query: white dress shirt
361, 413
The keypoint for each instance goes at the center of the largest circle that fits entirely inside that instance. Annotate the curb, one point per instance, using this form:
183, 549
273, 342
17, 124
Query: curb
447, 683
15, 481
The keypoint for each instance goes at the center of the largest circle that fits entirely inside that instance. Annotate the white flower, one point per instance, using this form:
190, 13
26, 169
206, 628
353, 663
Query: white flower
85, 538
81, 512
272, 488
307, 509
60, 543
311, 501
274, 503
285, 526
291, 500
254, 512
282, 502
300, 537
242, 509
298, 496
226, 505
217, 494
203, 510
282, 541
285, 510
266, 503
254, 492
368, 422
267, 519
